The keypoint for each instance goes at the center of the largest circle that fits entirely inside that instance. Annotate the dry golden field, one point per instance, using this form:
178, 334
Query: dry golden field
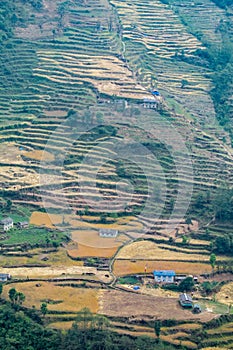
149, 250
127, 267
39, 155
44, 219
65, 298
58, 258
86, 251
225, 295
48, 272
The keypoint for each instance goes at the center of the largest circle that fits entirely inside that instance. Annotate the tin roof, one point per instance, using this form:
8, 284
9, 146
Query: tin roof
185, 298
162, 273
6, 221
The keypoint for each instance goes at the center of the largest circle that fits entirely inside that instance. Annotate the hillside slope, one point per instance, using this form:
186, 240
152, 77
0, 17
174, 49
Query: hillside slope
67, 58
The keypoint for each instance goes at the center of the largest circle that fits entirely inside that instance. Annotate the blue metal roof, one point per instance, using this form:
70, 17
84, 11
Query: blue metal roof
169, 273
156, 93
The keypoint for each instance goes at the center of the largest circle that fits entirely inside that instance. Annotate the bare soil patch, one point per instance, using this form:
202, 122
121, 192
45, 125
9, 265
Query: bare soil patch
125, 304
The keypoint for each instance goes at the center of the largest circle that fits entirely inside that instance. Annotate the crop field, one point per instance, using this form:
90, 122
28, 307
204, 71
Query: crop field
61, 298
48, 271
38, 256
128, 267
134, 305
44, 219
90, 56
87, 251
225, 295
150, 250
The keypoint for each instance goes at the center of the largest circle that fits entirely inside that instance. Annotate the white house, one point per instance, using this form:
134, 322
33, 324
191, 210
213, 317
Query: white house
6, 224
4, 277
150, 103
109, 233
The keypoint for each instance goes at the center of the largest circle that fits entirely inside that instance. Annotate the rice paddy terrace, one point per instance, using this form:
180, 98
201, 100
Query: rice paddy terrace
69, 57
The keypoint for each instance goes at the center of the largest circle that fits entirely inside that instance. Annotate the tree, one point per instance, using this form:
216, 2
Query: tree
44, 309
157, 328
184, 83
8, 205
224, 244
20, 298
12, 295
185, 240
213, 260
99, 117
188, 222
1, 289
186, 285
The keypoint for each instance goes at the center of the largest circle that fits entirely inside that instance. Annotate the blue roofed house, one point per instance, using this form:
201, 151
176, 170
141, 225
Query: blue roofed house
164, 276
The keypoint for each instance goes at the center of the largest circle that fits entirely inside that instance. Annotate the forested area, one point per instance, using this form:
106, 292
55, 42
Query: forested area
223, 3
13, 13
23, 330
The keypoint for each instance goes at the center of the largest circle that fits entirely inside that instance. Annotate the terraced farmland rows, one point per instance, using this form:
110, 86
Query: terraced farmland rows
203, 18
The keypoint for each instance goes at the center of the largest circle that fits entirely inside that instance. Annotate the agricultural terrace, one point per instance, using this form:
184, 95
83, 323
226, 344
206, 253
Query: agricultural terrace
140, 255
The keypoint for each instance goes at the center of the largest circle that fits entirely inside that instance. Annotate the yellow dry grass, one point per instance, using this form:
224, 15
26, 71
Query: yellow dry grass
39, 155
119, 225
61, 325
87, 251
72, 299
172, 338
127, 267
225, 295
150, 250
48, 272
58, 258
45, 219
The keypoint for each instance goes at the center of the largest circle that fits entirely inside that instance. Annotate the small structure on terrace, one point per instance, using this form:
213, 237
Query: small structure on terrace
4, 277
22, 224
164, 276
108, 233
6, 224
186, 300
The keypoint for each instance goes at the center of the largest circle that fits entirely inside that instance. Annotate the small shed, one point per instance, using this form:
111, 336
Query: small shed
108, 233
197, 309
6, 224
22, 224
164, 276
186, 300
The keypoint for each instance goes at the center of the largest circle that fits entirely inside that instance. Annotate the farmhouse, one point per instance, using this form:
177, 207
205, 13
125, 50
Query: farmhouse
108, 233
6, 224
22, 224
164, 276
4, 277
150, 103
185, 300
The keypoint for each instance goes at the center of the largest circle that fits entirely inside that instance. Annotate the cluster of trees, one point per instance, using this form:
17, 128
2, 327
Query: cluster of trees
224, 244
223, 205
20, 329
220, 60
12, 13
223, 3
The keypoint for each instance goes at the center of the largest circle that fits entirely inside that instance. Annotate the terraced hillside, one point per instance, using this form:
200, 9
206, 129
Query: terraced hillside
69, 69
